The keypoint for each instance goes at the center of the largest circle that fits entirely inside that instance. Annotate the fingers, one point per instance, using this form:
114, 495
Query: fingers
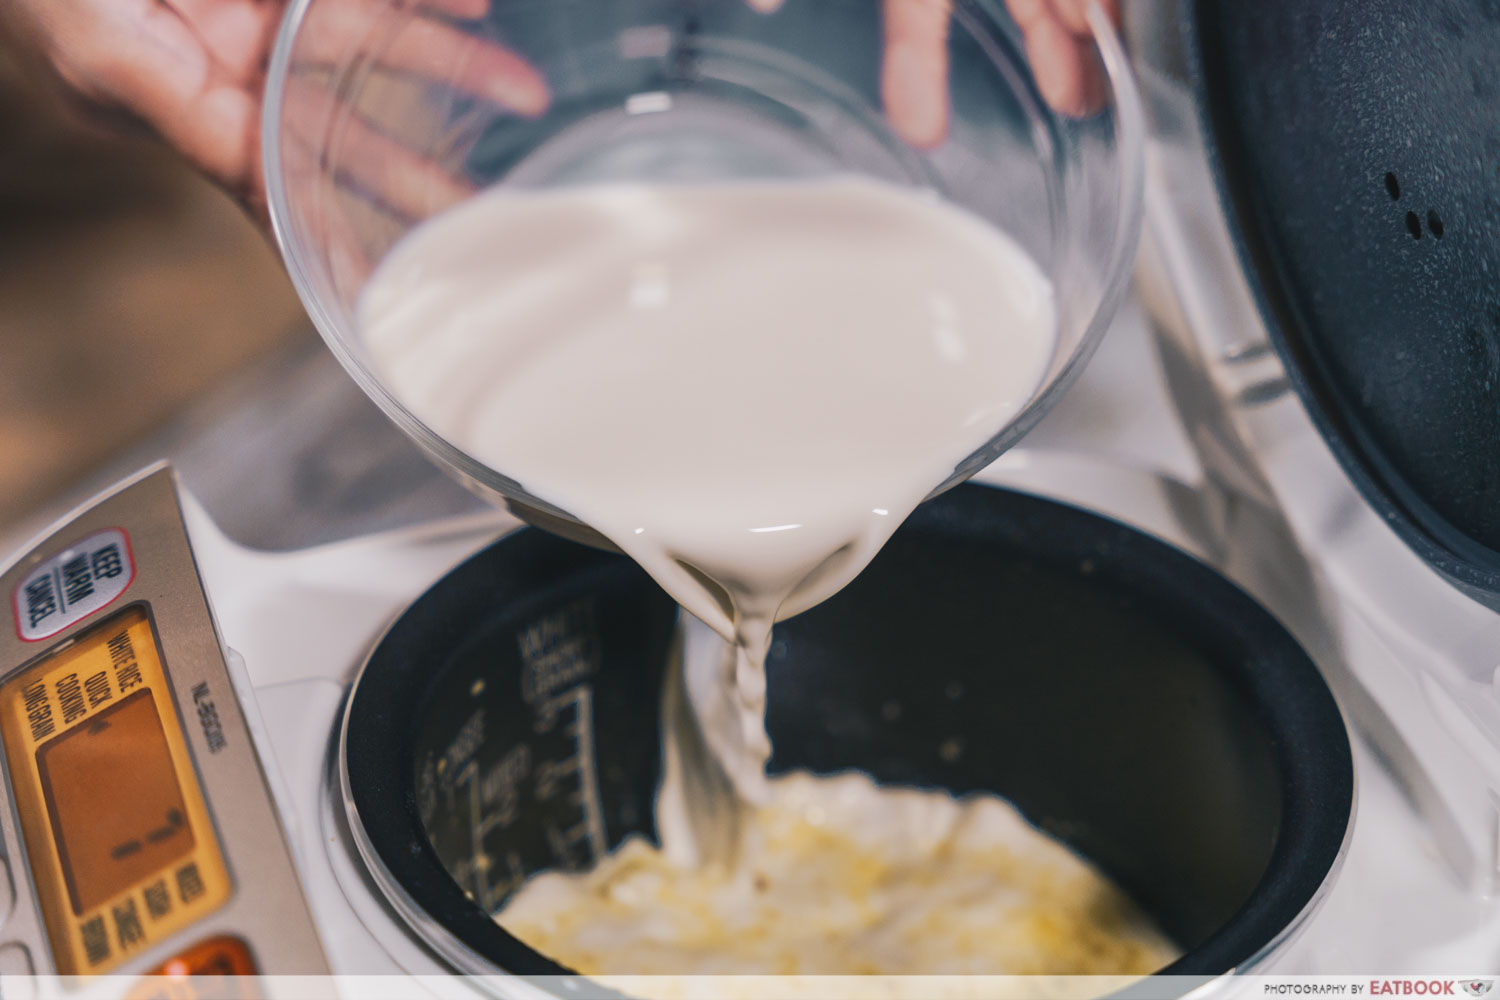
1060, 49
467, 9
1065, 69
914, 71
372, 161
156, 69
437, 51
398, 179
237, 33
1074, 14
431, 49
369, 164
331, 227
914, 67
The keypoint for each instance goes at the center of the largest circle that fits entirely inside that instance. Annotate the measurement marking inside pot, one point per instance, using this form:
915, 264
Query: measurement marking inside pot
475, 871
575, 845
593, 805
589, 830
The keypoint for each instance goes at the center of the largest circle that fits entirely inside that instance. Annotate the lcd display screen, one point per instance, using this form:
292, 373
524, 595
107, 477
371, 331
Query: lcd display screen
122, 849
117, 811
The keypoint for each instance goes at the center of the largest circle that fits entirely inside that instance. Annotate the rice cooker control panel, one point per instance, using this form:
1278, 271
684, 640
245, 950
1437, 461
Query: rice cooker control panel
139, 835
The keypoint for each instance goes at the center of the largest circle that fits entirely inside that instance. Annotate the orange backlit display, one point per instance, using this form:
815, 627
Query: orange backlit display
117, 811
118, 835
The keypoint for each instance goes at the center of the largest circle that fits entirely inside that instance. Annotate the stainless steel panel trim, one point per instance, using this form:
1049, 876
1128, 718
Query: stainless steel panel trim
267, 908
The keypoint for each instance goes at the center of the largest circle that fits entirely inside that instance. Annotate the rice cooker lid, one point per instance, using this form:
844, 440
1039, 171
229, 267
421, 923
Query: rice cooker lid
1356, 149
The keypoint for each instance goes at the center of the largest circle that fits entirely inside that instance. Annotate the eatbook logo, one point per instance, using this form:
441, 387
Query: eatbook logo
1477, 987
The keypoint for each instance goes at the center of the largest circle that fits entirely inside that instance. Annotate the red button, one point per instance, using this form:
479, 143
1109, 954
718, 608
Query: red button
199, 971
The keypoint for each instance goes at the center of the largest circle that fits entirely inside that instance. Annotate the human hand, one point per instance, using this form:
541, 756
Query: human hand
193, 71
914, 68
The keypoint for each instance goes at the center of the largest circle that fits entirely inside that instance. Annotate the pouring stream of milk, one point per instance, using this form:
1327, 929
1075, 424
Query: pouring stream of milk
745, 386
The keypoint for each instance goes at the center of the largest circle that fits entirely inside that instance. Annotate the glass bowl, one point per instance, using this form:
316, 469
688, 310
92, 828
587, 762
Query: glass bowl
381, 113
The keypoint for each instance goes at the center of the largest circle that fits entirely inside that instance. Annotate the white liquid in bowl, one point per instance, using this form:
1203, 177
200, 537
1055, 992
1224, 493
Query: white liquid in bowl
751, 384
746, 387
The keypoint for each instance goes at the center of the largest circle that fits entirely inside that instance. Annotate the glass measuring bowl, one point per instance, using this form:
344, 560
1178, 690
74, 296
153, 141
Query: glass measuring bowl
381, 113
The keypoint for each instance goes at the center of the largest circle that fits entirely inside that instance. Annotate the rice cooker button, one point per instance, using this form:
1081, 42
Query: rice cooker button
16, 973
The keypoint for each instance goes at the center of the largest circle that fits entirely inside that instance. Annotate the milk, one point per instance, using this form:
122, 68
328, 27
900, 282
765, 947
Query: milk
745, 386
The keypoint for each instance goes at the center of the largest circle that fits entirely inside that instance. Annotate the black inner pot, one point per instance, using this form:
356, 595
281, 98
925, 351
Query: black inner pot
1125, 697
